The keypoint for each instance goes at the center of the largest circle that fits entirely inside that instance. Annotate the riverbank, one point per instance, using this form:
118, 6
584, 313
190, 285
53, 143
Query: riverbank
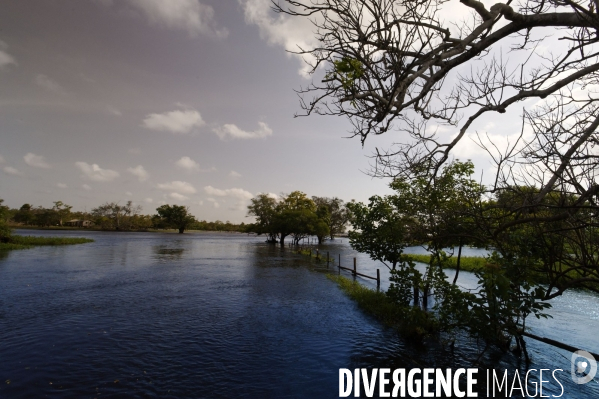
467, 263
25, 242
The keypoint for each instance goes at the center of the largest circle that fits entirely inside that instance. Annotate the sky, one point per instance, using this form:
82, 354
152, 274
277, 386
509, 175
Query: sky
187, 102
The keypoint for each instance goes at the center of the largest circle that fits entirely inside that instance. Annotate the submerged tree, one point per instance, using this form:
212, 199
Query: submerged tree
176, 217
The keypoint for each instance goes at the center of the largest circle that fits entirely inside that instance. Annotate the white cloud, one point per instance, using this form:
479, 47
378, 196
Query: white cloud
177, 186
139, 172
95, 173
134, 151
214, 202
149, 200
2, 159
234, 175
188, 164
113, 111
178, 197
129, 194
190, 15
291, 33
230, 192
49, 84
9, 170
61, 185
5, 58
37, 161
175, 121
86, 187
232, 131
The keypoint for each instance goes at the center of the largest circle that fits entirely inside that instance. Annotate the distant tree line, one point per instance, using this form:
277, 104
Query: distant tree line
297, 216
110, 216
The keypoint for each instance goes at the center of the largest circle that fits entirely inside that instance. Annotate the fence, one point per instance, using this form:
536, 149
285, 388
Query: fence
354, 271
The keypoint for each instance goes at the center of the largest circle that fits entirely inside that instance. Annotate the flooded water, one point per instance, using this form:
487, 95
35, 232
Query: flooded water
218, 316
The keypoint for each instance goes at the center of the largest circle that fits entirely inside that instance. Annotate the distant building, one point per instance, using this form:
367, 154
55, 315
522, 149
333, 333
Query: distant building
79, 223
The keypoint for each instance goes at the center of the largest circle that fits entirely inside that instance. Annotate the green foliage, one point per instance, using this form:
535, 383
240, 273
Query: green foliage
380, 229
5, 231
347, 71
293, 215
176, 217
467, 263
334, 212
24, 242
411, 322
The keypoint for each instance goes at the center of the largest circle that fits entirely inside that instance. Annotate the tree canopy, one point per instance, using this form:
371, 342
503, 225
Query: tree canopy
176, 216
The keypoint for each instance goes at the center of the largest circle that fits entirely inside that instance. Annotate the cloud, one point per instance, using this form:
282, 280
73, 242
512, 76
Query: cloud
49, 84
95, 173
9, 170
234, 175
5, 58
214, 202
86, 187
2, 159
190, 15
134, 151
113, 111
61, 185
230, 192
177, 186
178, 197
188, 164
232, 131
148, 200
291, 33
37, 161
139, 172
180, 122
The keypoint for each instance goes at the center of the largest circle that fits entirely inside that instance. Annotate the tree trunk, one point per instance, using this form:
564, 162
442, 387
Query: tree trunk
457, 268
181, 230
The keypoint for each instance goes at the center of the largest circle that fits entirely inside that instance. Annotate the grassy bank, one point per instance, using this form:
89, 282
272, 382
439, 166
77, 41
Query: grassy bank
413, 323
468, 263
375, 303
24, 242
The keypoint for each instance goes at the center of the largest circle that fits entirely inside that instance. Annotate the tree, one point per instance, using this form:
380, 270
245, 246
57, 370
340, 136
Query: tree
401, 67
380, 229
63, 210
176, 216
5, 231
336, 216
264, 208
24, 215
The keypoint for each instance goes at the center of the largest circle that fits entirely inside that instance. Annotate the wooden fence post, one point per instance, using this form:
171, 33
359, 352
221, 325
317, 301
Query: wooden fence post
355, 267
378, 278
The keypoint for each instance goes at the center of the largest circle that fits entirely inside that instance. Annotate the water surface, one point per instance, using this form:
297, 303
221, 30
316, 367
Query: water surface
205, 315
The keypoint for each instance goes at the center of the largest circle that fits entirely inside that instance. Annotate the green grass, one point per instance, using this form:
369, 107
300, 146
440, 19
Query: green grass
24, 242
468, 263
373, 302
413, 323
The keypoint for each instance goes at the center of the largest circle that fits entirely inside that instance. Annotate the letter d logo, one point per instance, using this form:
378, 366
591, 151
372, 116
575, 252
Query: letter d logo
584, 367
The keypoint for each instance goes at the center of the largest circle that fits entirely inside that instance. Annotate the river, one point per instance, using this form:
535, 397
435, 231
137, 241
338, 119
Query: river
209, 315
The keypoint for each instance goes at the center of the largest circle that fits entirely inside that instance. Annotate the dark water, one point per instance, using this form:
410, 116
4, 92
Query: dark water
215, 315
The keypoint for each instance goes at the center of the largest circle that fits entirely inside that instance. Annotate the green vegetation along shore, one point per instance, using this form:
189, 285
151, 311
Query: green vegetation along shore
467, 263
24, 242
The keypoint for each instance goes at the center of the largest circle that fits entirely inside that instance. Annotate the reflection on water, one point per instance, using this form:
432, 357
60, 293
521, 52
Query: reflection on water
167, 253
230, 316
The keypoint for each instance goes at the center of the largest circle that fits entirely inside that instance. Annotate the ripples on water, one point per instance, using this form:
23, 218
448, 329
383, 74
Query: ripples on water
213, 315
